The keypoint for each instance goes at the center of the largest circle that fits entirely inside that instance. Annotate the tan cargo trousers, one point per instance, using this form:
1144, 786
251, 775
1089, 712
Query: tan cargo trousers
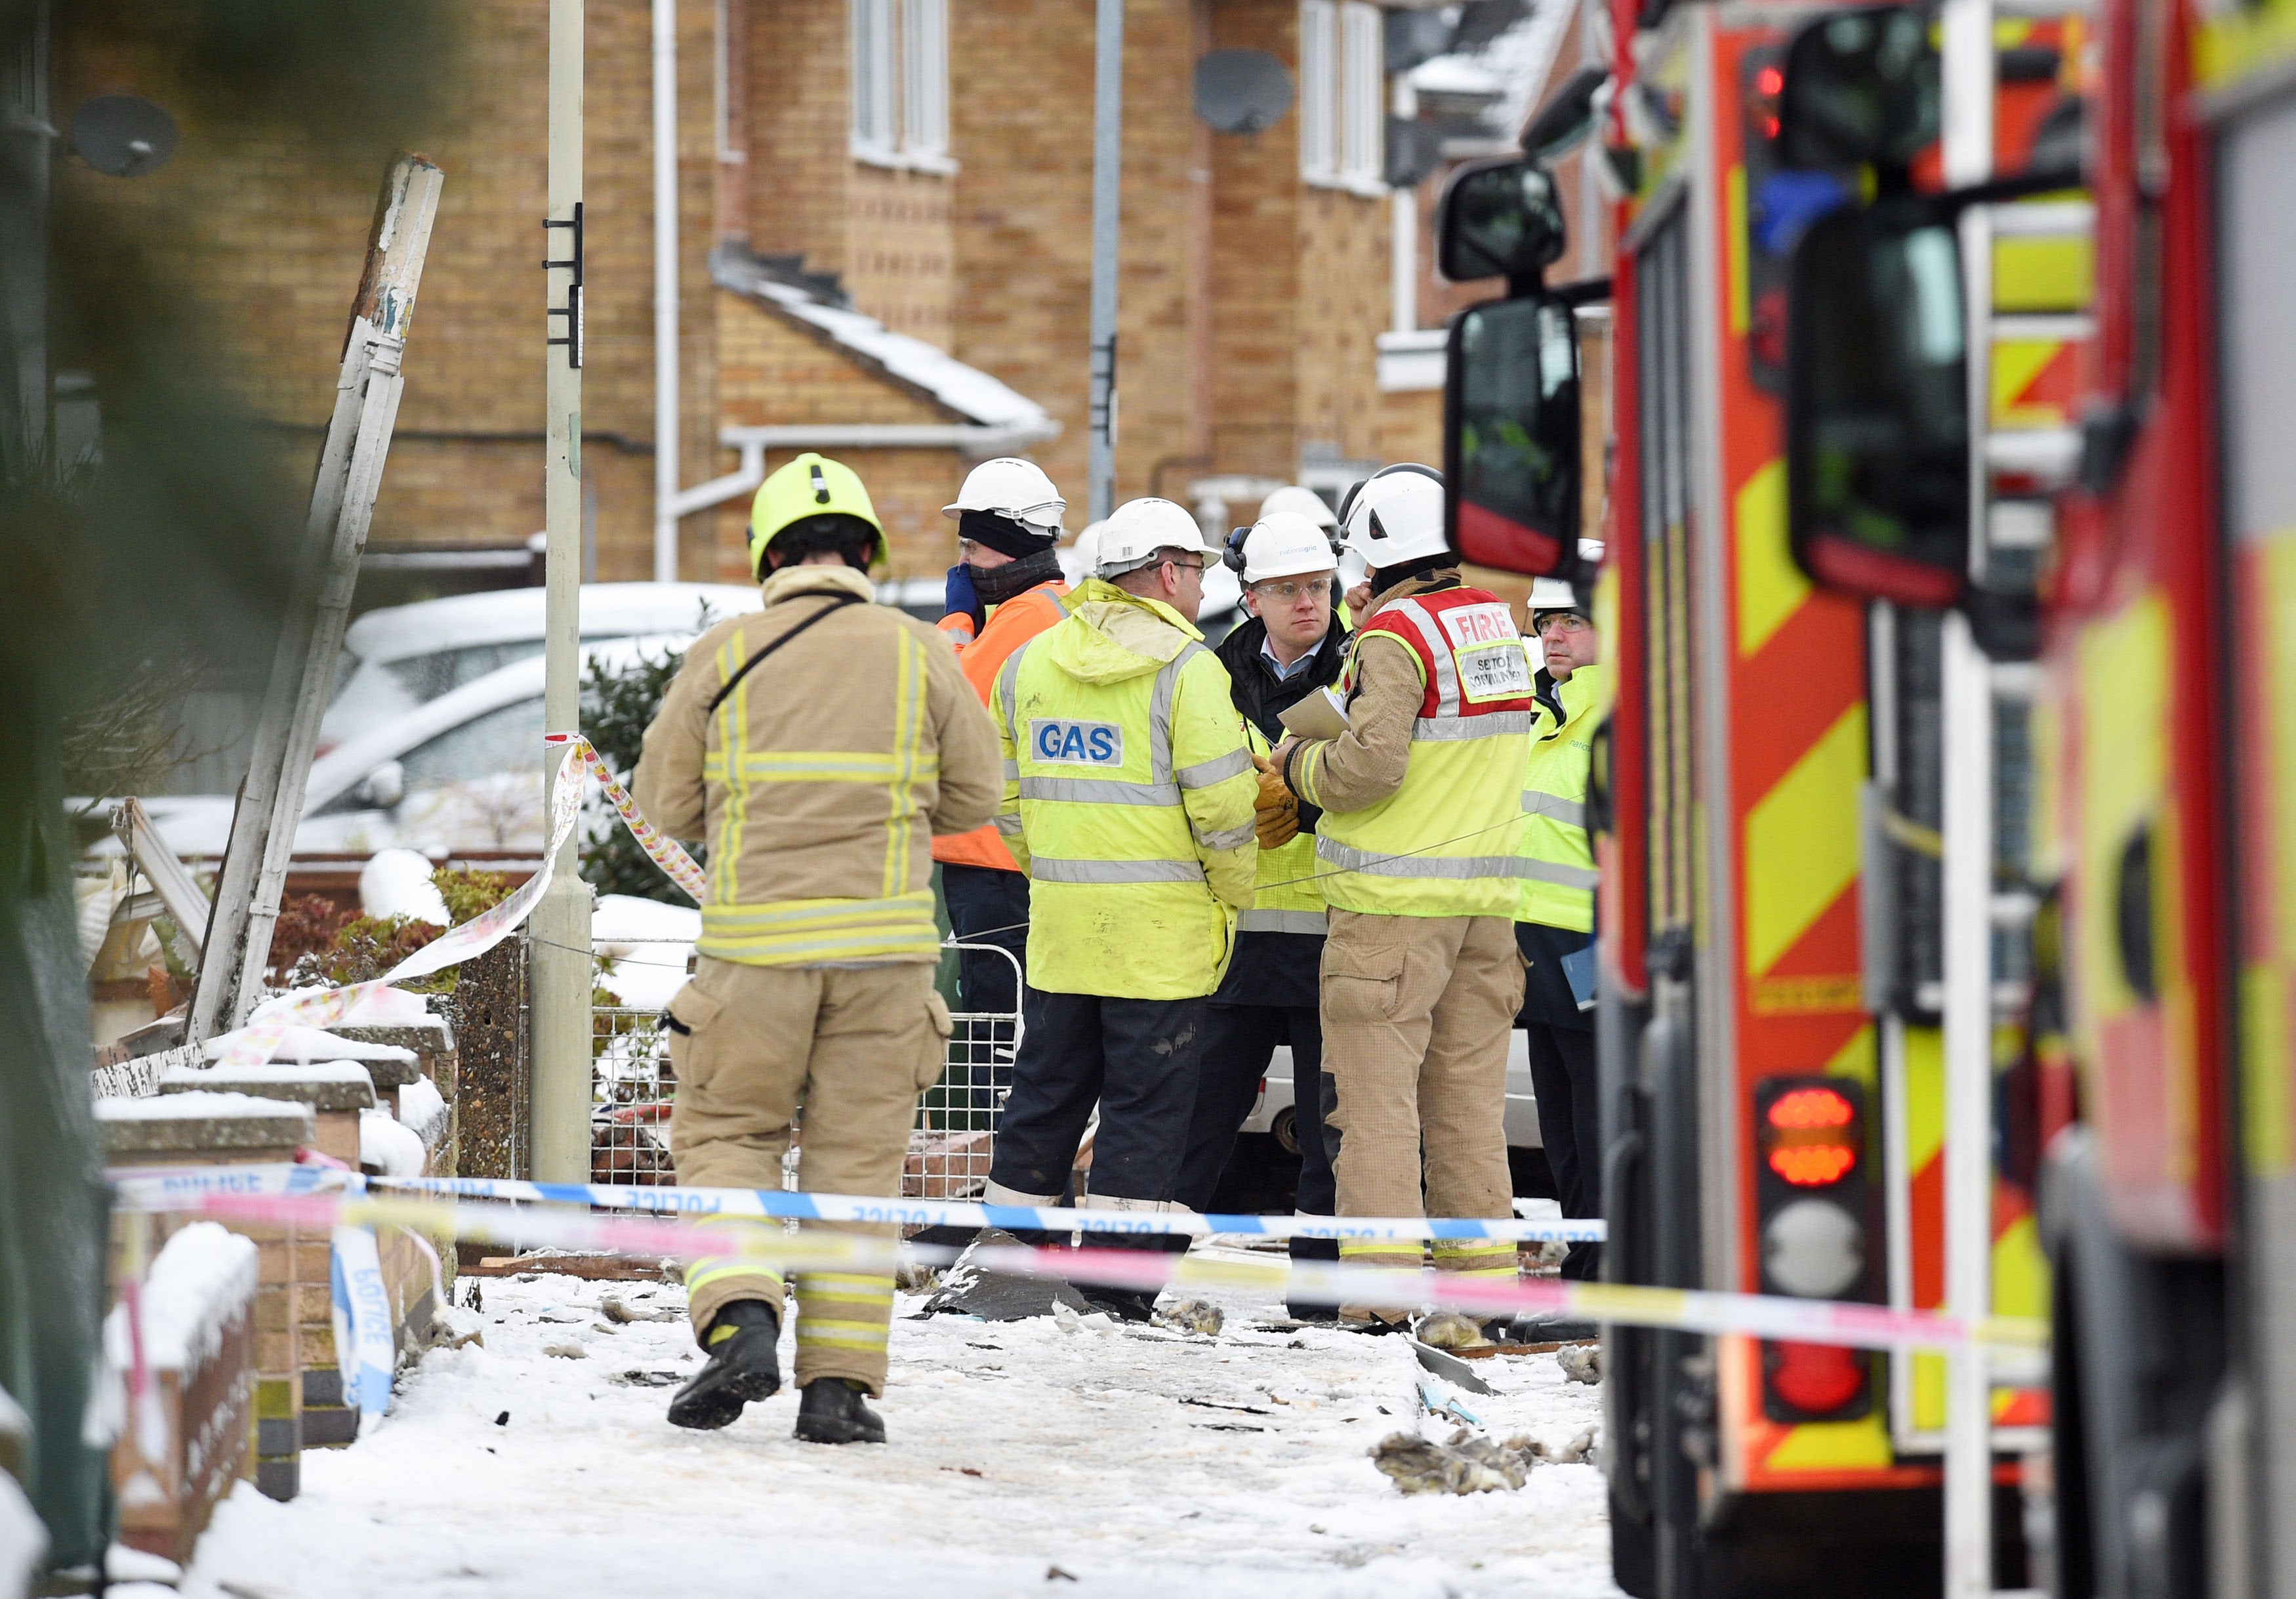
854, 1046
1416, 1011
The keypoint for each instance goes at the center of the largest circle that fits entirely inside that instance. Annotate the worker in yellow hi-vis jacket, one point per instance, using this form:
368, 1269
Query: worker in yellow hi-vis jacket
822, 743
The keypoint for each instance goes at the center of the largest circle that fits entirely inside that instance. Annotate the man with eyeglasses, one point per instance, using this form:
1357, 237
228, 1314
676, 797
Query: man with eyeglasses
1287, 650
1129, 801
1555, 906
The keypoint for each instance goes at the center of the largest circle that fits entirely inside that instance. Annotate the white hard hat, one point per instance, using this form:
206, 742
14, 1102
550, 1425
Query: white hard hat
1307, 502
1138, 528
1017, 488
1395, 516
1281, 544
1551, 593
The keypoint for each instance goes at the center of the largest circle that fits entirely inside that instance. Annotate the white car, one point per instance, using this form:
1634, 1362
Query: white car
403, 656
1275, 1113
460, 772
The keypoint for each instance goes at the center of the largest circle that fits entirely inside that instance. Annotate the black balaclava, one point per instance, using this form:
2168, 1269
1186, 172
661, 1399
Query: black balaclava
1001, 533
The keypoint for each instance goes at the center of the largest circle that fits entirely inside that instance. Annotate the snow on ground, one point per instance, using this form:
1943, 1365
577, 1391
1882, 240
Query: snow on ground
1135, 1462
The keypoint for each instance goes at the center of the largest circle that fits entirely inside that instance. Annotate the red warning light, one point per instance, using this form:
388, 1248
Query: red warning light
1811, 1136
1816, 1379
1762, 110
1769, 80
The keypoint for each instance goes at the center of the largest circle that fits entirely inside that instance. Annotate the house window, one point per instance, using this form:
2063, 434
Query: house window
1318, 78
900, 83
1343, 95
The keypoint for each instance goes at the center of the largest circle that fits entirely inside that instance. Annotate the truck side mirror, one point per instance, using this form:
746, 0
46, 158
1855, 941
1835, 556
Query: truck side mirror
1877, 404
1511, 424
1499, 218
1861, 89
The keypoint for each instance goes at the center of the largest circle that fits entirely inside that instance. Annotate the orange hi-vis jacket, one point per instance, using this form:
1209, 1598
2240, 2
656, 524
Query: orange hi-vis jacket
1010, 626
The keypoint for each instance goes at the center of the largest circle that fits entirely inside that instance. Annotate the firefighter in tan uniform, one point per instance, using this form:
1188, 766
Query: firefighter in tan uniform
820, 743
1421, 801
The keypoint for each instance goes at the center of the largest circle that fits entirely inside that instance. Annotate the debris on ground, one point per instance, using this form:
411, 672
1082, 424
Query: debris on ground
1191, 1315
915, 1276
1465, 1463
1449, 1330
616, 1310
1579, 1451
969, 1290
566, 1351
452, 1327
1449, 1367
1580, 1362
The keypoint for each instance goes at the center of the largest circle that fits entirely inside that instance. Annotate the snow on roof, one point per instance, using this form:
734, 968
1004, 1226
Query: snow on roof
171, 1107
203, 1277
1513, 66
967, 391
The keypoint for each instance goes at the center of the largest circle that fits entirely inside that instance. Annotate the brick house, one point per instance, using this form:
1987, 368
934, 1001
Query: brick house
884, 246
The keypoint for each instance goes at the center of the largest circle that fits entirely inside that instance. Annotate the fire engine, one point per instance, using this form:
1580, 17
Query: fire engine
1946, 925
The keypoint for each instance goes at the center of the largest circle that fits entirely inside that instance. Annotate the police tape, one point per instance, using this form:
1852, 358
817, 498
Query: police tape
780, 1205
1767, 1316
666, 852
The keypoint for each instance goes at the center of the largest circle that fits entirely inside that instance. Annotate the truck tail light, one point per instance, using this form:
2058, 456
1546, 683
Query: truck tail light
1815, 1379
1814, 1207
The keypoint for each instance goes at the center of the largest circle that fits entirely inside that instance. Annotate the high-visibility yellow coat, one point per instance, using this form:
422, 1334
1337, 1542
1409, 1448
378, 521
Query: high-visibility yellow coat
1559, 876
1286, 894
1444, 842
1128, 793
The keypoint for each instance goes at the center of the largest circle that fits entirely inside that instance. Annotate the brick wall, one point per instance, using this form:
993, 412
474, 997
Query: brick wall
1259, 266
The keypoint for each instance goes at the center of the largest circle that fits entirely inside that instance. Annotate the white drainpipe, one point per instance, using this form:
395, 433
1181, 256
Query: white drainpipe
1403, 294
665, 291
977, 441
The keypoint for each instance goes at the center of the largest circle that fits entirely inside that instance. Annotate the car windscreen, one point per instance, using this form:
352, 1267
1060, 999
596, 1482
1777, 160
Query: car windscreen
505, 741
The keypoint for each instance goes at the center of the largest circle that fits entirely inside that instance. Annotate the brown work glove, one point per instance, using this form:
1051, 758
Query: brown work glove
1276, 813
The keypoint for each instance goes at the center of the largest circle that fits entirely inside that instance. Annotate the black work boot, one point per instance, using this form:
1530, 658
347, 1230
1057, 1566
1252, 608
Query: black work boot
743, 1366
835, 1410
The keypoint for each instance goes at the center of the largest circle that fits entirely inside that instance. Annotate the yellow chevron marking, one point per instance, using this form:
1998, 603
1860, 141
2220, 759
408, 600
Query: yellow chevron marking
1770, 585
2017, 362
2020, 1272
1742, 313
1858, 1060
1924, 1096
1835, 1446
1801, 841
2270, 1107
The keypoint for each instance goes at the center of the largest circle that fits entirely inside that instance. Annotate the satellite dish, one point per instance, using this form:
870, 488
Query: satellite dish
126, 135
1241, 91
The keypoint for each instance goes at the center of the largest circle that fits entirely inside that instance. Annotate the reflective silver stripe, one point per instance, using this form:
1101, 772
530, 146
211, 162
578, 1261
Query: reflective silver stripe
1236, 763
1011, 771
1099, 791
1499, 723
1446, 674
996, 1193
1569, 877
1450, 867
1160, 713
1235, 838
1572, 813
1009, 824
1042, 870
1284, 922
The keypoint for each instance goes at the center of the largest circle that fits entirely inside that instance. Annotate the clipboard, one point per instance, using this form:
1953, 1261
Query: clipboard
1321, 715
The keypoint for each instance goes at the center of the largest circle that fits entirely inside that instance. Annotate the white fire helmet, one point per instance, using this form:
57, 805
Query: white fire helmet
1138, 528
1283, 543
1018, 489
1395, 516
1307, 502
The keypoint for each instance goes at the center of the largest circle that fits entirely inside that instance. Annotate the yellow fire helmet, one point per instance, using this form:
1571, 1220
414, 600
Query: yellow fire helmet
811, 486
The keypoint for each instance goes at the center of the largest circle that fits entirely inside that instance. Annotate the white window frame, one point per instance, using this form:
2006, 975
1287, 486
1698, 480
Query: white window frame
1363, 98
1319, 53
899, 99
